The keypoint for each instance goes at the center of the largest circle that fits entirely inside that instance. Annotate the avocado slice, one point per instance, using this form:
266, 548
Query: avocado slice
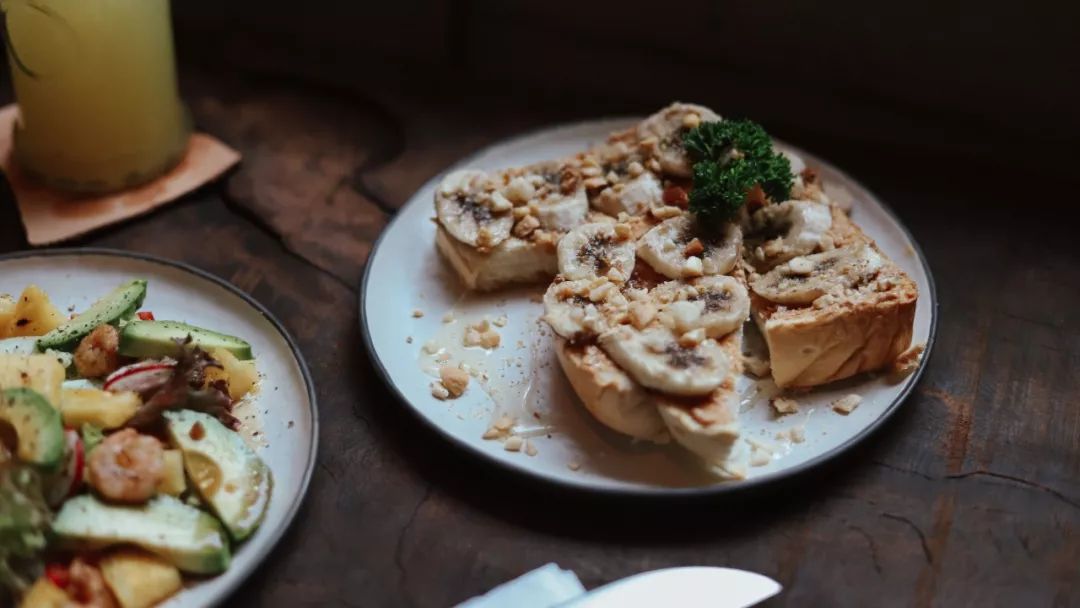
229, 476
37, 425
120, 304
190, 539
151, 339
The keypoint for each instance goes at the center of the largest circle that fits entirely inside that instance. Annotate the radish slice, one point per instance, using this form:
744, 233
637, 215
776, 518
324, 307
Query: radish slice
141, 377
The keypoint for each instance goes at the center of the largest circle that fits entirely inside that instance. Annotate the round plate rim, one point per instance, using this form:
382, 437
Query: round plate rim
718, 489
242, 574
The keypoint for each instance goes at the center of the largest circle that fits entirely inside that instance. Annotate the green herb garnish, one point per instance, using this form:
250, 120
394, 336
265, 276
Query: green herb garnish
730, 158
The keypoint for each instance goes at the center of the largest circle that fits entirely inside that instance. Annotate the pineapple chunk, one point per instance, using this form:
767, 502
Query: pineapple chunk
44, 594
241, 376
103, 409
7, 313
139, 579
34, 314
43, 373
174, 483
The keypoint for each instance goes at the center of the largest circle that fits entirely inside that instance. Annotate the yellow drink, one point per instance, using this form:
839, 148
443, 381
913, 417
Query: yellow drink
96, 85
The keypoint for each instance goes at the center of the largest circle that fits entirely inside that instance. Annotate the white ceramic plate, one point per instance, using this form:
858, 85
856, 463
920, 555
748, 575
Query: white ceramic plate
284, 407
405, 273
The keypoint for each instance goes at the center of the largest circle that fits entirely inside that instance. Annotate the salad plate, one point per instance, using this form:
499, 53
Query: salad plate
415, 310
270, 424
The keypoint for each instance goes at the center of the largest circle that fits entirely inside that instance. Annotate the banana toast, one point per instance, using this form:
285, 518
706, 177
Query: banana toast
838, 308
649, 299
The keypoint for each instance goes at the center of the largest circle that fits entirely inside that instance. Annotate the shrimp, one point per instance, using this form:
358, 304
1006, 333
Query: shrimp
87, 588
126, 467
96, 356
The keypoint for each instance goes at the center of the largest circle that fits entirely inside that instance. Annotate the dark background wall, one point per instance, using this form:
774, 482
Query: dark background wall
989, 80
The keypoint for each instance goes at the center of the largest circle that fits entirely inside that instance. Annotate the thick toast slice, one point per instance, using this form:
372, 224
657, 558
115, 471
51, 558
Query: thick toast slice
707, 426
512, 261
854, 329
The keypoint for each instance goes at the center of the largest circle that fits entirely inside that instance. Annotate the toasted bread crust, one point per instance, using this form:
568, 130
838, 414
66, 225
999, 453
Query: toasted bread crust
608, 392
707, 426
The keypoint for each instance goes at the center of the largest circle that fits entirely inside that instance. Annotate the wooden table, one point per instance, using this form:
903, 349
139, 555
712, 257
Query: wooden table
969, 496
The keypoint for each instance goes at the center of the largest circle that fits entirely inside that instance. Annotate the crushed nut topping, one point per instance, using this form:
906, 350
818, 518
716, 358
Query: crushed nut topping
694, 247
525, 226
784, 405
846, 404
439, 391
455, 379
907, 362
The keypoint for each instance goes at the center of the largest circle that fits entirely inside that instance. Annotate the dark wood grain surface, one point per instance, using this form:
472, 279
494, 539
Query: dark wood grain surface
969, 496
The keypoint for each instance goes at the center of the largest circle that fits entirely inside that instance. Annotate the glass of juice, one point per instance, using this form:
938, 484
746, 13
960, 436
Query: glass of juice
95, 81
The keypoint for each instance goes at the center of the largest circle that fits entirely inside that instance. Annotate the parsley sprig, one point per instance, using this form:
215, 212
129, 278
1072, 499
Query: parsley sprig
730, 158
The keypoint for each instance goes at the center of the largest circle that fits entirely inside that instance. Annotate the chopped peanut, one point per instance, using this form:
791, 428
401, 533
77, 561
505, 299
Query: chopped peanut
694, 247
693, 267
526, 226
907, 362
438, 390
846, 404
783, 405
490, 339
665, 212
454, 379
641, 314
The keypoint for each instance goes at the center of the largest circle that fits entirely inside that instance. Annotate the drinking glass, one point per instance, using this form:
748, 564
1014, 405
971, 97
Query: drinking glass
95, 81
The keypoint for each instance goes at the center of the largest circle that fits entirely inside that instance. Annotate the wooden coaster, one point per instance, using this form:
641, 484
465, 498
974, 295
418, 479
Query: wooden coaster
50, 216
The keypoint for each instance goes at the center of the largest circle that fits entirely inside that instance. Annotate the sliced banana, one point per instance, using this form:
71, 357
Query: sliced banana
718, 304
631, 195
465, 207
581, 308
554, 192
659, 359
668, 127
804, 279
777, 233
670, 249
563, 213
597, 250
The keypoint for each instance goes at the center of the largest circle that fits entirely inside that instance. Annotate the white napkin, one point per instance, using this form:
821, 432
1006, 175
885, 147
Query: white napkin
544, 587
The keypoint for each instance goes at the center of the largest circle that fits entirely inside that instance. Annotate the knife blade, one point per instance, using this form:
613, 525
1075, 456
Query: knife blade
690, 587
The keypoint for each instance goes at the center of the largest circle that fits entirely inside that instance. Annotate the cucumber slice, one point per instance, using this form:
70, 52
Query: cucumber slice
152, 339
118, 305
